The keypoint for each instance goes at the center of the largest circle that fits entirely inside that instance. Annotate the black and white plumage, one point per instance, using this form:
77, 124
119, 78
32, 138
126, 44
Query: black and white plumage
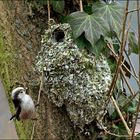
23, 103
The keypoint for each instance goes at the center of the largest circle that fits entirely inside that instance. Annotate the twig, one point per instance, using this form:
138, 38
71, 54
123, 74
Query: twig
121, 53
116, 135
138, 81
81, 6
127, 83
131, 64
134, 10
121, 116
41, 86
135, 121
130, 100
49, 12
138, 107
33, 131
116, 57
38, 100
119, 120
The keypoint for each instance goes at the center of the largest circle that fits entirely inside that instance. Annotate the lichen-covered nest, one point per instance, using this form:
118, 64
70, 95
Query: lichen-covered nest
73, 77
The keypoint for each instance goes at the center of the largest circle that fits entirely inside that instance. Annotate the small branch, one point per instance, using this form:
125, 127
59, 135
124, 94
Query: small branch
134, 10
130, 100
49, 12
121, 116
138, 107
81, 6
121, 70
116, 135
38, 100
119, 120
131, 64
116, 57
135, 121
33, 130
121, 52
41, 86
127, 83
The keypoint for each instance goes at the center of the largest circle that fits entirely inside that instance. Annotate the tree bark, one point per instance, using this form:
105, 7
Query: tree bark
19, 45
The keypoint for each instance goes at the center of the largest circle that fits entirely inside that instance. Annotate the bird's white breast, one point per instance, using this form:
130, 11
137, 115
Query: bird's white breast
27, 107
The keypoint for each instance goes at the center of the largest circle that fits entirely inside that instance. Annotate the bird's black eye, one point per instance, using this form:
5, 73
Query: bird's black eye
21, 91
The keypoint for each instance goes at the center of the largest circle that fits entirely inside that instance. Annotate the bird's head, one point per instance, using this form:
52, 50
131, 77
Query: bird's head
18, 92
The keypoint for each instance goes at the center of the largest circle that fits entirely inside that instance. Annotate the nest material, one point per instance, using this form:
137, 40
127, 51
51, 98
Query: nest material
74, 77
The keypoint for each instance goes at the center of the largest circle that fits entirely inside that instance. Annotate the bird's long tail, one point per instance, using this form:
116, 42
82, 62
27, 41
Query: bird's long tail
12, 118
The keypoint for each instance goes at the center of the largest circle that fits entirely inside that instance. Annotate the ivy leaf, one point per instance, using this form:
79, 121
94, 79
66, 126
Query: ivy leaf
82, 42
93, 26
97, 49
100, 47
111, 12
133, 107
110, 108
133, 43
58, 5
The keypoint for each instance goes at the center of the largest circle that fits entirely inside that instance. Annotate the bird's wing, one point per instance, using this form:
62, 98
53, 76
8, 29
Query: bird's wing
18, 113
16, 102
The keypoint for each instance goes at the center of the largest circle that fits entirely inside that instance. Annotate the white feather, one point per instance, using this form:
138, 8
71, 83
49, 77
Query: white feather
27, 107
17, 90
27, 104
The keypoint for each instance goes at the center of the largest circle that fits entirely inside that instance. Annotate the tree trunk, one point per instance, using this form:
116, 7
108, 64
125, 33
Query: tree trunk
19, 44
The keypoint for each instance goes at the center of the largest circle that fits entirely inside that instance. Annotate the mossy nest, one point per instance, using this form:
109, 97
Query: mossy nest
73, 77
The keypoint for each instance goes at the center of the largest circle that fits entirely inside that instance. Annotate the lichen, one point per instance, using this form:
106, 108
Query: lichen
7, 73
74, 77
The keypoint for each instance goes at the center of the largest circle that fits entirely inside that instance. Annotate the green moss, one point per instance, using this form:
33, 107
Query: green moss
9, 73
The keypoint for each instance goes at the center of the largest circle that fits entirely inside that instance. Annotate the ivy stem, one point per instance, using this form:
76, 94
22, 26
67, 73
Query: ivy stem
49, 12
121, 116
138, 107
81, 6
38, 101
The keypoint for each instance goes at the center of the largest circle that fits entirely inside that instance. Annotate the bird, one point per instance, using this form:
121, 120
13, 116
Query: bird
23, 103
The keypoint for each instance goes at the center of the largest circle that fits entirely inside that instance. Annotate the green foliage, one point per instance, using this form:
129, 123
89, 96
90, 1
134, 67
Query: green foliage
91, 25
105, 21
133, 106
82, 42
98, 19
88, 8
133, 43
58, 5
112, 14
100, 46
